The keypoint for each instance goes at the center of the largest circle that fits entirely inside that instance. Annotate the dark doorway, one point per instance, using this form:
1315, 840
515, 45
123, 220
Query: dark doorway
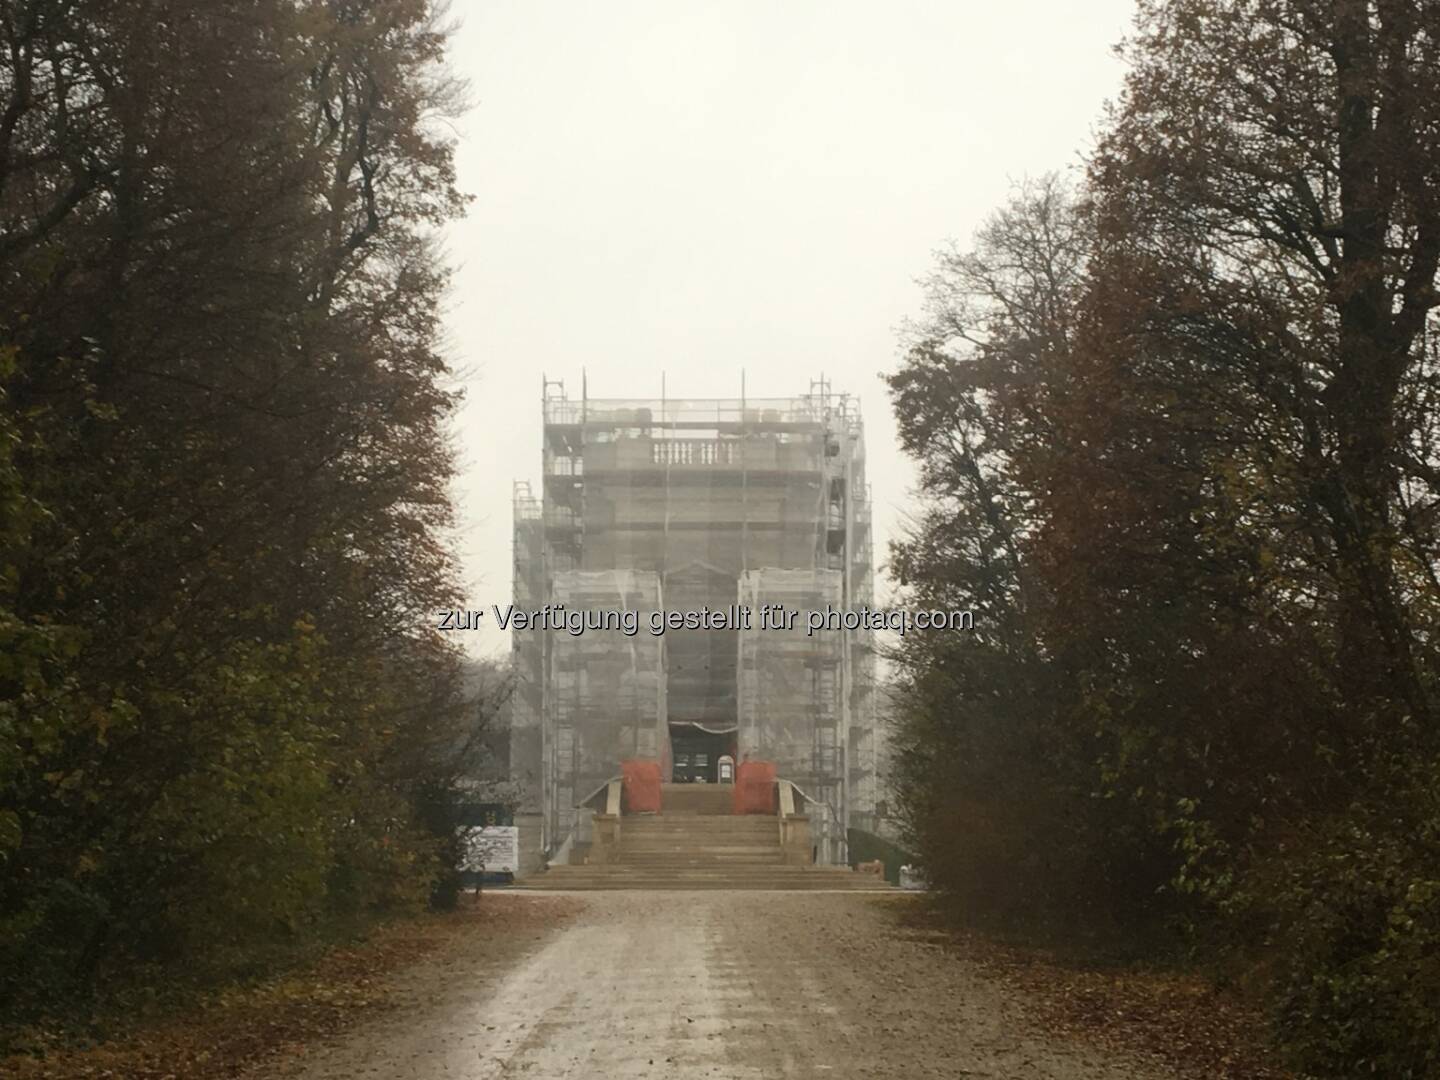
696, 753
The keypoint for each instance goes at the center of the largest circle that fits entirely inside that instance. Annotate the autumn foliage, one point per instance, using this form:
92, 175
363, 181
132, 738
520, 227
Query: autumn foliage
1177, 423
223, 479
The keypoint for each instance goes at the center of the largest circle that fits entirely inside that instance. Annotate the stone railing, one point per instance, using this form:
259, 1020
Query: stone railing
794, 824
605, 822
596, 833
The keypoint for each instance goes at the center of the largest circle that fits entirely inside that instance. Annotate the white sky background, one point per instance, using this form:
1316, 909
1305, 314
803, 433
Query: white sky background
695, 188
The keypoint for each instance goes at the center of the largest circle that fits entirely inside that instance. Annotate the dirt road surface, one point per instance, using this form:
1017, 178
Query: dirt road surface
719, 985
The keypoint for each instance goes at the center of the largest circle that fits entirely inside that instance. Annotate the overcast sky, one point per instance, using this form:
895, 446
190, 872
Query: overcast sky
696, 188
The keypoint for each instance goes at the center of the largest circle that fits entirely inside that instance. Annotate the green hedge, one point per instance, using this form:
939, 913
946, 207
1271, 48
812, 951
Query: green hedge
867, 847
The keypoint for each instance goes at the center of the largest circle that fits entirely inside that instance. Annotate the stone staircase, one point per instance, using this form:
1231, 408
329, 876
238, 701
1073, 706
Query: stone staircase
697, 843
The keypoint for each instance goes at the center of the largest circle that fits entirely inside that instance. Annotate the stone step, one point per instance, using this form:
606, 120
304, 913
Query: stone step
696, 843
769, 835
697, 798
620, 870
767, 838
702, 858
765, 828
697, 824
665, 886
718, 836
672, 886
609, 877
719, 846
682, 820
730, 844
697, 874
735, 869
664, 848
736, 873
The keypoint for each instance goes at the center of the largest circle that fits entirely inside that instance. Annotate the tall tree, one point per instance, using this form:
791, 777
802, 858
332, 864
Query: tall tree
224, 409
1277, 163
1219, 491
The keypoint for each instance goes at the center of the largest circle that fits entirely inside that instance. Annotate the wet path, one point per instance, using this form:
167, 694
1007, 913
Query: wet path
711, 984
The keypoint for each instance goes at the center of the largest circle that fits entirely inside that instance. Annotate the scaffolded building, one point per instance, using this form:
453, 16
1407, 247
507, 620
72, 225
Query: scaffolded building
683, 505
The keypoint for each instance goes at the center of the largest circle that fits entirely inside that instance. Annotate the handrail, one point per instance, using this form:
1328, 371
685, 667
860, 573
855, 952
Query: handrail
787, 800
604, 807
602, 789
810, 799
796, 789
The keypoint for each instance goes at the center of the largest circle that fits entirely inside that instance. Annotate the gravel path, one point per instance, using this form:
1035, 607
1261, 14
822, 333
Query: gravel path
709, 984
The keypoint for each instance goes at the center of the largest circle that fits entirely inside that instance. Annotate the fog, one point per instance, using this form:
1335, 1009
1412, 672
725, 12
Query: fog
687, 191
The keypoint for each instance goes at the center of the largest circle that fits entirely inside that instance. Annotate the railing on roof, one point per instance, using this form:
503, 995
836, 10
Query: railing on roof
694, 452
642, 412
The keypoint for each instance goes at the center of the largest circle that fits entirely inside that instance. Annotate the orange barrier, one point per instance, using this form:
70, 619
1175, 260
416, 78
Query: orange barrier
640, 786
755, 787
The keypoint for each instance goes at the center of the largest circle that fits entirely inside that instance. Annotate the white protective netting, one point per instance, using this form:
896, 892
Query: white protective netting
699, 492
706, 504
527, 766
606, 699
792, 706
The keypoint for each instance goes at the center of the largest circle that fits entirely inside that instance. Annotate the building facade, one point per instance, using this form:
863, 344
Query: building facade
687, 505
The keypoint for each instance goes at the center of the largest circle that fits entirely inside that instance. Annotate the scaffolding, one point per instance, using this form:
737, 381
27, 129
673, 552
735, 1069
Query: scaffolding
706, 503
527, 701
606, 700
792, 705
